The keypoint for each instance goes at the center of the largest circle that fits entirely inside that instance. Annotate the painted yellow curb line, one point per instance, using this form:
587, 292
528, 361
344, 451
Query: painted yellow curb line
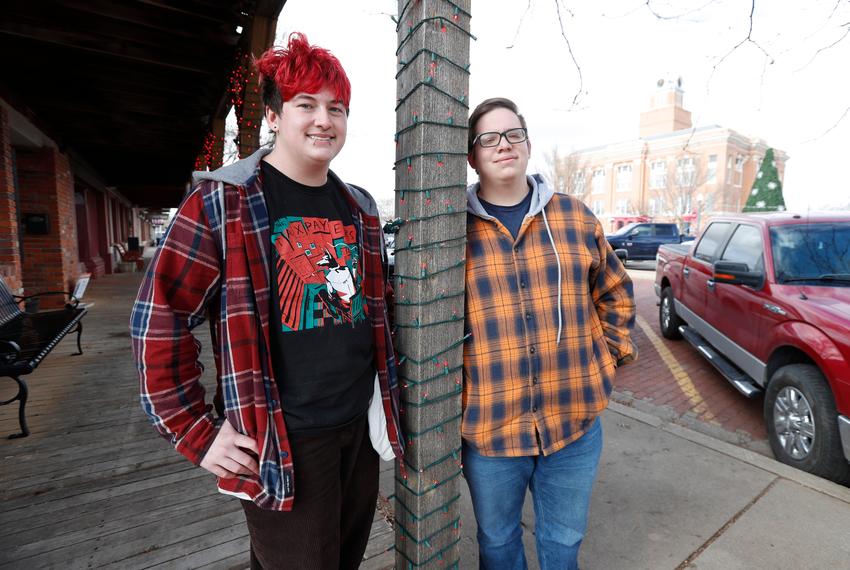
684, 381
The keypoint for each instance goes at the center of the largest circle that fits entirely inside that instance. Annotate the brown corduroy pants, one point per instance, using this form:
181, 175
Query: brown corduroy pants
336, 487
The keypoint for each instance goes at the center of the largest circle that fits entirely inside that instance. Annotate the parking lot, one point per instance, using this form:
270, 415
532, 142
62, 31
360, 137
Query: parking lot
671, 380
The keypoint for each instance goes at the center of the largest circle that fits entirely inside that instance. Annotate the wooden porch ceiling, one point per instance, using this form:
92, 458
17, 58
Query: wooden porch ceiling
129, 86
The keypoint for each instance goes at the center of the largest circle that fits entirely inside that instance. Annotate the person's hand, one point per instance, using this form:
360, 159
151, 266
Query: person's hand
227, 457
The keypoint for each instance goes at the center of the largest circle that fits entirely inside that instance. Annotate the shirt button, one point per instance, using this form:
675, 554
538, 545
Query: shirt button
284, 454
528, 316
534, 380
522, 284
531, 350
534, 408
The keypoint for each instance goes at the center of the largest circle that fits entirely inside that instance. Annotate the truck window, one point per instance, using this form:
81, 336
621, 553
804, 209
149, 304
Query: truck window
814, 253
666, 230
641, 230
711, 239
745, 246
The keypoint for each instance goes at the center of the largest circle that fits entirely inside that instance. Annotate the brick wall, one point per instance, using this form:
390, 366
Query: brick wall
10, 259
46, 187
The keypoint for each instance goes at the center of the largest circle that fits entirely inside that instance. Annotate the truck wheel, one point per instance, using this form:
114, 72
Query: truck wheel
802, 422
667, 317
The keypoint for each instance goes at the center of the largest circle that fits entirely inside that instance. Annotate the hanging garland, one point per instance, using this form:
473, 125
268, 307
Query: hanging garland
243, 84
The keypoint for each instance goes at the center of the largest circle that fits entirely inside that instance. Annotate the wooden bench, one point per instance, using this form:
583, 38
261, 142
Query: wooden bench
130, 256
27, 338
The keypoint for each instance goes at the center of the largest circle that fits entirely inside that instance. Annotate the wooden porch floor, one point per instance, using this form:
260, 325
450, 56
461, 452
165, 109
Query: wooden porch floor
94, 485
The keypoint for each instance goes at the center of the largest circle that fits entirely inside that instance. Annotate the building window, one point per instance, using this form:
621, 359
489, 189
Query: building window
683, 204
598, 207
598, 181
729, 170
656, 206
579, 183
622, 207
711, 171
624, 178
658, 174
685, 173
739, 169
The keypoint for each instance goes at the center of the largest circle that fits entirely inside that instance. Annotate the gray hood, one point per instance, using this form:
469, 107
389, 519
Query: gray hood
236, 174
541, 194
241, 171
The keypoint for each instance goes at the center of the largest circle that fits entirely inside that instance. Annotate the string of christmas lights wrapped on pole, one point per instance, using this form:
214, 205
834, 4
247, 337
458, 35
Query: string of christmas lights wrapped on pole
432, 106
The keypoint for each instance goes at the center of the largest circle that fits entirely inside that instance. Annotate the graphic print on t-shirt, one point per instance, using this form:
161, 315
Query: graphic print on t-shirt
317, 273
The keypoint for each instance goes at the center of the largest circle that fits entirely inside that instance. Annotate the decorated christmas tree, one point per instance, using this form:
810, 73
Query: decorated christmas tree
766, 195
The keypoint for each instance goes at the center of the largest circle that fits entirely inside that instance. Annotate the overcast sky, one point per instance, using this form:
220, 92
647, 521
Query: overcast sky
796, 97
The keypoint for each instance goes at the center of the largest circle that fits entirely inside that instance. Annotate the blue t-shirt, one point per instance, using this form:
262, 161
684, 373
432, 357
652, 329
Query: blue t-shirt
510, 216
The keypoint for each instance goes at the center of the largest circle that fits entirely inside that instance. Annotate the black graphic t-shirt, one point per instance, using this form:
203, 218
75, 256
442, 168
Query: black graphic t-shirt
321, 340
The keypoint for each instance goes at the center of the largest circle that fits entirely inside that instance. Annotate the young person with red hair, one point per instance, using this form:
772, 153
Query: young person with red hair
288, 264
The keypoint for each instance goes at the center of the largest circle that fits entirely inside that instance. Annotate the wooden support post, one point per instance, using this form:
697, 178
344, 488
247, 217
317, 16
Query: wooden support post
261, 38
217, 155
432, 90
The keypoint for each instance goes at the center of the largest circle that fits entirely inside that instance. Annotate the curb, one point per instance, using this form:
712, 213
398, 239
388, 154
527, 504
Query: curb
744, 455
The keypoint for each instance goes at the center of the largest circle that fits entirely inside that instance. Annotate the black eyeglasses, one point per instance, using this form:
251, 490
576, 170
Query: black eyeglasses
493, 138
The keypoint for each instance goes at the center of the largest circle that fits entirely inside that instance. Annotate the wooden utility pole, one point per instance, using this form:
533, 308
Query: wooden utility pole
431, 118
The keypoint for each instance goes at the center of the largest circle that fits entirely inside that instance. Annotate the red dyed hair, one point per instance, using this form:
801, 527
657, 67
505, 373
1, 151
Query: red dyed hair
300, 68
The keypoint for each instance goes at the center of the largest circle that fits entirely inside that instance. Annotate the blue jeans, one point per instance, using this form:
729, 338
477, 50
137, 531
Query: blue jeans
560, 487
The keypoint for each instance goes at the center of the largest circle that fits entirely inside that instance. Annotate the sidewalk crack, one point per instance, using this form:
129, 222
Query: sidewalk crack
695, 554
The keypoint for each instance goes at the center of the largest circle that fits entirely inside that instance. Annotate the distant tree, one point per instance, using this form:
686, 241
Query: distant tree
679, 194
766, 195
386, 208
565, 175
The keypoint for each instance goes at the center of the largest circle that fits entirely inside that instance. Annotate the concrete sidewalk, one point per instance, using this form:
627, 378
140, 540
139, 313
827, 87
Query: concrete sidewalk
669, 497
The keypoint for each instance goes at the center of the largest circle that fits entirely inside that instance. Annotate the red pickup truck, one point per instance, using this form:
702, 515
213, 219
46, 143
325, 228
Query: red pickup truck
766, 299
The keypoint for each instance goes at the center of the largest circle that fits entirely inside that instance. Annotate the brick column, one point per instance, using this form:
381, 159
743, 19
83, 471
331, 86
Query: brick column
88, 231
47, 187
10, 256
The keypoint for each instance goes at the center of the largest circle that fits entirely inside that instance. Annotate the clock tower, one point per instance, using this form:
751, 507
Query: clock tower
666, 113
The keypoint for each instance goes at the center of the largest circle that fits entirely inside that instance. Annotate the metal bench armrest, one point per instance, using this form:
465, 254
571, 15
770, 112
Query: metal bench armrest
72, 301
10, 351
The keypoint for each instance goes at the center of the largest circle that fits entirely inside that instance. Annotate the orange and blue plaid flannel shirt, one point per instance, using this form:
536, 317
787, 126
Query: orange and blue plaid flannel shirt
519, 384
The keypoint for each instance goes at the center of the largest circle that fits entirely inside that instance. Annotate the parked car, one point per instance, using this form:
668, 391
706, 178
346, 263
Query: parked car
766, 299
389, 239
640, 240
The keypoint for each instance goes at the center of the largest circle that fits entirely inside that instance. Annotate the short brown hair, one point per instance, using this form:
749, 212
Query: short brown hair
485, 107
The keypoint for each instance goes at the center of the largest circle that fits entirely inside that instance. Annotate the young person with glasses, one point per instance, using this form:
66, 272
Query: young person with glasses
550, 308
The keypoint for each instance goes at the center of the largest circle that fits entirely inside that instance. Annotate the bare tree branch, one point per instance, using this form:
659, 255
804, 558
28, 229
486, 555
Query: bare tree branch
519, 26
833, 44
828, 19
570, 49
830, 129
747, 39
652, 10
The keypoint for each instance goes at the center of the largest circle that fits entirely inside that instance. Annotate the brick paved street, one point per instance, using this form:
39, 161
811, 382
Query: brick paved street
672, 380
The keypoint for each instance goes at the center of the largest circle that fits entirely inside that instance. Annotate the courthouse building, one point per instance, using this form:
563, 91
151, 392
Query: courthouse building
672, 172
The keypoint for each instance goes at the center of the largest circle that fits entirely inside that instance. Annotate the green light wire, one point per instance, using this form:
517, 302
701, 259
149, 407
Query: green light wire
444, 507
436, 400
433, 357
402, 100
